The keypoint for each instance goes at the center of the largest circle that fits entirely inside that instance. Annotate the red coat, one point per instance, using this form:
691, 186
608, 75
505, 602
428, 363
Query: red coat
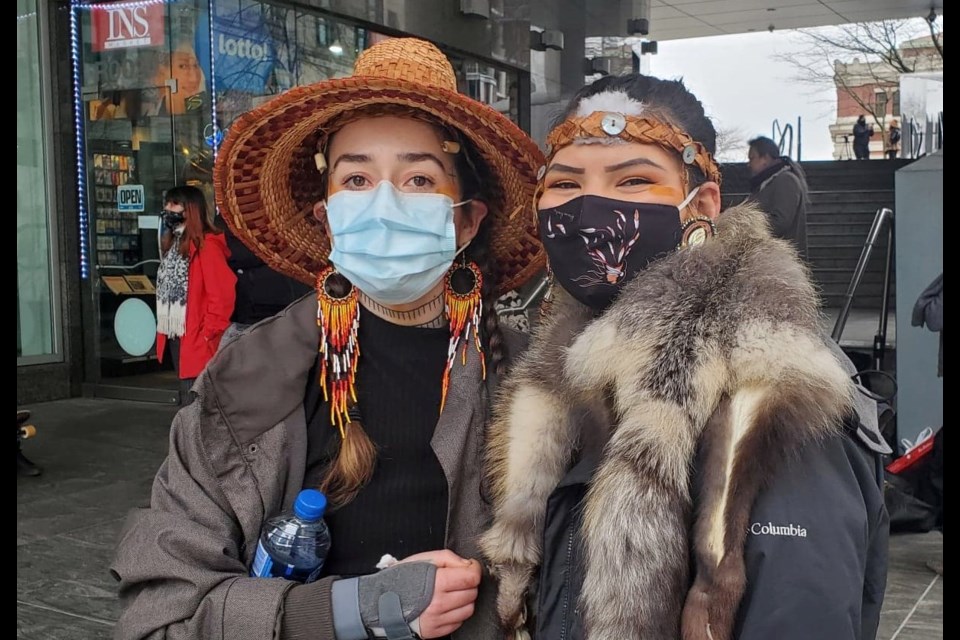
211, 293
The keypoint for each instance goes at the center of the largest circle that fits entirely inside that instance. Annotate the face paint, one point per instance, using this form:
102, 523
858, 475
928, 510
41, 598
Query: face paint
666, 192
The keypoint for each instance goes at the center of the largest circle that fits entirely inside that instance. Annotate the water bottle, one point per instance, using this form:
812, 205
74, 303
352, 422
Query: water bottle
294, 545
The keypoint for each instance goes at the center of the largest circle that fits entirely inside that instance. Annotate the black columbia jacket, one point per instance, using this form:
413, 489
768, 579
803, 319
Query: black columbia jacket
816, 553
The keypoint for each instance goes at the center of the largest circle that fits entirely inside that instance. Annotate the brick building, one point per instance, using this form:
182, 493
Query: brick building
872, 88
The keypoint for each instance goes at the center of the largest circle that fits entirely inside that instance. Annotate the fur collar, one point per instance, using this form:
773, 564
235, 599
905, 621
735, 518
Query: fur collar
716, 348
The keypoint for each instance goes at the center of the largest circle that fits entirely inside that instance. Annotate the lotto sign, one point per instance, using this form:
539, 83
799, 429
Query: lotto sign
130, 198
243, 50
127, 26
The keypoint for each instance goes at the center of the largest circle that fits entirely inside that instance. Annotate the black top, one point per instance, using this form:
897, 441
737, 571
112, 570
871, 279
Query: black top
261, 291
403, 509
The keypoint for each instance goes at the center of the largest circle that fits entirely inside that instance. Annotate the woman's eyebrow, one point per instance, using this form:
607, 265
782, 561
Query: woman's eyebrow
420, 156
632, 163
565, 168
351, 157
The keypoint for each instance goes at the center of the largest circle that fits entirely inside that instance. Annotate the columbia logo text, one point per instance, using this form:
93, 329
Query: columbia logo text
770, 529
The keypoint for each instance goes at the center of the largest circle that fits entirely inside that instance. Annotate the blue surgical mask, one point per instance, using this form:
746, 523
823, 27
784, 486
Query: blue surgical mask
391, 245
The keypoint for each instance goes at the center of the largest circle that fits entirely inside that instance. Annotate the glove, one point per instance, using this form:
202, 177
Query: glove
387, 604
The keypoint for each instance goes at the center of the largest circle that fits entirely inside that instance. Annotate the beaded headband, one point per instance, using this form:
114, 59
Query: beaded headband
605, 124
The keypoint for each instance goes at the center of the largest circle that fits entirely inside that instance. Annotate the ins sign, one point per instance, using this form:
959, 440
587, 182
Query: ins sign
126, 27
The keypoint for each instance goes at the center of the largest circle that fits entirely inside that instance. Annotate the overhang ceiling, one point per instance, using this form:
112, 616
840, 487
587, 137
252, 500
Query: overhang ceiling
677, 19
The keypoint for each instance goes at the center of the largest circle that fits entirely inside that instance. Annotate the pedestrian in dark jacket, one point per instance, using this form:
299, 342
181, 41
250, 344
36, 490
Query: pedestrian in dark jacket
679, 453
861, 138
779, 186
261, 291
416, 187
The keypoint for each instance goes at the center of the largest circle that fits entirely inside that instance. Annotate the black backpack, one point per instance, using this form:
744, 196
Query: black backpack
894, 135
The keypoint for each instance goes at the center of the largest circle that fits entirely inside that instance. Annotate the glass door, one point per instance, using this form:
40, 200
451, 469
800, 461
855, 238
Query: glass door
131, 162
146, 102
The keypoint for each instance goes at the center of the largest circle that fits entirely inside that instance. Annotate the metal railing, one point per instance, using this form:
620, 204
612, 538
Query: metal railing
939, 131
535, 296
780, 135
883, 219
914, 139
130, 267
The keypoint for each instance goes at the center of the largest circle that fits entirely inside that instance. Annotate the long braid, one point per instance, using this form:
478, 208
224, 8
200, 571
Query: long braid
477, 182
356, 457
491, 333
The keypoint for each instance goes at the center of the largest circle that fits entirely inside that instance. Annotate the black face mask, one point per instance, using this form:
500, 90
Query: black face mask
596, 245
171, 219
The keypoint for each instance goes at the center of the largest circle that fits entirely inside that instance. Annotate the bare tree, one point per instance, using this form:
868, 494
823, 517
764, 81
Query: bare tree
731, 144
870, 54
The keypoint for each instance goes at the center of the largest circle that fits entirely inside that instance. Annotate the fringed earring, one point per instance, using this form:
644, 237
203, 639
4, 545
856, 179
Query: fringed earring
338, 318
464, 306
696, 231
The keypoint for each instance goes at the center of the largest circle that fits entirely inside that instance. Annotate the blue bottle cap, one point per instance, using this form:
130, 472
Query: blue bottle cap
310, 504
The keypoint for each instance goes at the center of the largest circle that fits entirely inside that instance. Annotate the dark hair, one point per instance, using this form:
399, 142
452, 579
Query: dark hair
356, 457
666, 100
765, 147
474, 177
196, 218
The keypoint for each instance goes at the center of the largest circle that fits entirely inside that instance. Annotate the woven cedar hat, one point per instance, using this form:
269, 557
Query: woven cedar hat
267, 182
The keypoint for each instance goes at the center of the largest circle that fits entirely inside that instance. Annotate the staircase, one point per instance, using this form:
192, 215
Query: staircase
844, 198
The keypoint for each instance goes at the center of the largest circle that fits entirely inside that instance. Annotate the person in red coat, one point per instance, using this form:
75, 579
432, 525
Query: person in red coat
195, 285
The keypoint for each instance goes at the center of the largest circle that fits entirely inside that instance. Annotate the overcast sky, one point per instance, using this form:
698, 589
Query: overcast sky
745, 84
744, 87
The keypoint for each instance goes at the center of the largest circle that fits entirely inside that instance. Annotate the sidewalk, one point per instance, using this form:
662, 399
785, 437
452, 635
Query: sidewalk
99, 458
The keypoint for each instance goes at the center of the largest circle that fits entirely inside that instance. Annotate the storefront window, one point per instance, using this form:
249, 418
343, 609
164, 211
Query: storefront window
37, 325
145, 89
262, 49
151, 75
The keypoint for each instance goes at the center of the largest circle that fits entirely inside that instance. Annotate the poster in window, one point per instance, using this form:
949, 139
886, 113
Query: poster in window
116, 284
140, 284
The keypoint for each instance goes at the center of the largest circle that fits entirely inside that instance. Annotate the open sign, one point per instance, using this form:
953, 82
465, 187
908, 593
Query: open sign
130, 197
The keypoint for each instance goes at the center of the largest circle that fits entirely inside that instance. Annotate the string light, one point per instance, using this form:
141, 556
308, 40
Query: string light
217, 136
79, 137
119, 5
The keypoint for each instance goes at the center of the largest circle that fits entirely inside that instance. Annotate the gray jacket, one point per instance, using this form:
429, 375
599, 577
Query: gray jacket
237, 457
783, 197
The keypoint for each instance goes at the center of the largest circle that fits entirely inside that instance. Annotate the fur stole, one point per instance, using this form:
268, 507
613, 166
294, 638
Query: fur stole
717, 348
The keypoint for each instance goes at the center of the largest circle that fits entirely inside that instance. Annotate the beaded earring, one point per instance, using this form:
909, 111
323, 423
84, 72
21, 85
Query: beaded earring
464, 306
338, 317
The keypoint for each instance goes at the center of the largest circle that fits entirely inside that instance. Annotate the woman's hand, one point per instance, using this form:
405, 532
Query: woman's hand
454, 592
